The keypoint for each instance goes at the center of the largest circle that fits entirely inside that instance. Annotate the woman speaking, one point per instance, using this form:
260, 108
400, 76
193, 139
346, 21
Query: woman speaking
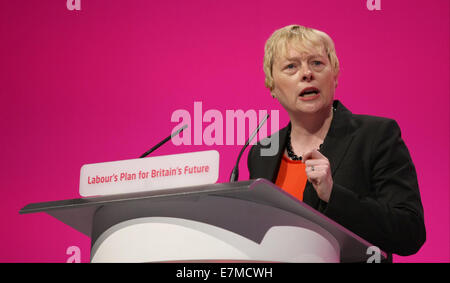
355, 169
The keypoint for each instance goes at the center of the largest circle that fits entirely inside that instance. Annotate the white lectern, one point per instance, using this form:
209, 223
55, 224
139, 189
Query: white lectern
253, 221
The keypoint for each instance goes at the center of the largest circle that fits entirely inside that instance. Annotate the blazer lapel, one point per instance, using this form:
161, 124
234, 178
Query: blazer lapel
334, 147
339, 137
272, 163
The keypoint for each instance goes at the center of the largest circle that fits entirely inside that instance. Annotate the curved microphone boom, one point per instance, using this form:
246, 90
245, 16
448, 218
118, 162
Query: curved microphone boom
163, 141
235, 173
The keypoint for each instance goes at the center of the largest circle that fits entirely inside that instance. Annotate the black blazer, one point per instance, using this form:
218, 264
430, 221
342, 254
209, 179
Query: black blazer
375, 191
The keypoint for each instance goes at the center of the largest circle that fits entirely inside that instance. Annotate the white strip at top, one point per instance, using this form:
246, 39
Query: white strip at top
149, 174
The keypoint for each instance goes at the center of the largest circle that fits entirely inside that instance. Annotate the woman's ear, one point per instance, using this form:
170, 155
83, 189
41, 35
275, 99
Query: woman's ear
336, 80
273, 92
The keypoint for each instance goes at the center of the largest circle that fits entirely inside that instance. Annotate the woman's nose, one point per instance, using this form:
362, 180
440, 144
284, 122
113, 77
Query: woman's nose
306, 74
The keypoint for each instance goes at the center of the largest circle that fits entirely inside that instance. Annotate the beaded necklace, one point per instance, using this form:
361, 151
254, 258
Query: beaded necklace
289, 149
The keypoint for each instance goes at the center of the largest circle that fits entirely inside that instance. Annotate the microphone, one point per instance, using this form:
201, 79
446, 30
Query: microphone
235, 173
163, 141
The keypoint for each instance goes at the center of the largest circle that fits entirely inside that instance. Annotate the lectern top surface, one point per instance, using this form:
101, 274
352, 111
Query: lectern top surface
79, 213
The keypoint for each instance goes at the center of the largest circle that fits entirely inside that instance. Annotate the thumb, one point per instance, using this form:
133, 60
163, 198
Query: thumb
313, 154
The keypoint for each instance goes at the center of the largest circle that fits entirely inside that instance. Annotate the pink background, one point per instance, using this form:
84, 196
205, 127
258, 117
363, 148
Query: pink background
101, 84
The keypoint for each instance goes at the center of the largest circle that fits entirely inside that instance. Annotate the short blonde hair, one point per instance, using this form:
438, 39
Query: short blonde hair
306, 36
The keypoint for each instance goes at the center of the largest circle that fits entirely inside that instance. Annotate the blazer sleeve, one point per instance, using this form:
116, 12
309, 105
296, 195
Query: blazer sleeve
391, 215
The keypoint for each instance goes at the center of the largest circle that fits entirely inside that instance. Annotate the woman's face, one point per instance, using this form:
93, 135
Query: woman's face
304, 80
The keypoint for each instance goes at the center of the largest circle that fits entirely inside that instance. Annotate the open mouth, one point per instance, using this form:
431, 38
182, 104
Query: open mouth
309, 91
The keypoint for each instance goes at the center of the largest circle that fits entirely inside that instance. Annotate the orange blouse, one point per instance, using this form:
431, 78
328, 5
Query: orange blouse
292, 177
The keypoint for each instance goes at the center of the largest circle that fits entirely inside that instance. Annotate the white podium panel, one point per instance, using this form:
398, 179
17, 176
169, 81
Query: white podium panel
285, 238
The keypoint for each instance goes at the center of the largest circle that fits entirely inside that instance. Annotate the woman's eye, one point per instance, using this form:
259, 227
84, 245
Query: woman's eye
317, 63
290, 66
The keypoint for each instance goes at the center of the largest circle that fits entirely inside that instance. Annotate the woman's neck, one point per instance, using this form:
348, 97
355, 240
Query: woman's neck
309, 129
